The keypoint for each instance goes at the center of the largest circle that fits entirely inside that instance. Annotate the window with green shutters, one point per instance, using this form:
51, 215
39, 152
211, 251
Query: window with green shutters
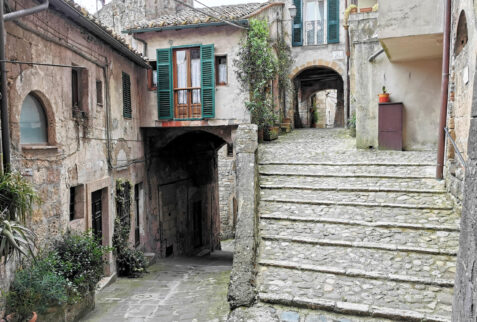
127, 111
186, 82
333, 21
310, 27
297, 32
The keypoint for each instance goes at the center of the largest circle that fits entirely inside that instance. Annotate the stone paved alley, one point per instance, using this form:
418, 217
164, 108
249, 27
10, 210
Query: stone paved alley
345, 235
176, 289
353, 232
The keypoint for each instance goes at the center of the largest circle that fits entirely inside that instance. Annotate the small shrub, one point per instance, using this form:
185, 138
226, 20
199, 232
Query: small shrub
36, 288
80, 260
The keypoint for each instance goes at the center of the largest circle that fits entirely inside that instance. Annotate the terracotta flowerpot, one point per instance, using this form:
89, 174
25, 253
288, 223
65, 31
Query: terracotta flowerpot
366, 9
34, 317
384, 98
270, 133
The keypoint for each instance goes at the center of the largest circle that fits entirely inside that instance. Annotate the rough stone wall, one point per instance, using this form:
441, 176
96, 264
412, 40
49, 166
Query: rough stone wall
465, 291
227, 198
77, 150
242, 279
121, 14
461, 86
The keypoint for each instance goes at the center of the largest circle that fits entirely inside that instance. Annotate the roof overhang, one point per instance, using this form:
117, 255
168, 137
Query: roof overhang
243, 22
77, 17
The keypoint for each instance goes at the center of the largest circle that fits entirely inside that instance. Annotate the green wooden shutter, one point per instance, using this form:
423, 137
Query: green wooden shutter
297, 29
165, 101
127, 111
208, 81
333, 21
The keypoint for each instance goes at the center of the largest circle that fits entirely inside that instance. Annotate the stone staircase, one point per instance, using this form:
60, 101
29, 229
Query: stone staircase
365, 234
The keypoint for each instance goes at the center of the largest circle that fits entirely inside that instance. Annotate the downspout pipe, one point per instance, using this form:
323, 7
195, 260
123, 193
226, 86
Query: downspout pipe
444, 90
348, 58
6, 153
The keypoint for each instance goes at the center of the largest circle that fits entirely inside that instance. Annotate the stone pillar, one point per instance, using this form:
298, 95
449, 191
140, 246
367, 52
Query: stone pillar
242, 280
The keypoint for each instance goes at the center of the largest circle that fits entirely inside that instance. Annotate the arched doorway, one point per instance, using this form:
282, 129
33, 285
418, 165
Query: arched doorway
310, 86
182, 184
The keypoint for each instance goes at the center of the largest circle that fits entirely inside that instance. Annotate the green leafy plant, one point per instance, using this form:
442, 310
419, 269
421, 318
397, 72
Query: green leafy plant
256, 68
17, 199
36, 288
352, 121
384, 90
130, 262
80, 260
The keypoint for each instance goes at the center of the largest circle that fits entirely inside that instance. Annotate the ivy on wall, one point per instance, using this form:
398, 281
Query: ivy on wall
257, 66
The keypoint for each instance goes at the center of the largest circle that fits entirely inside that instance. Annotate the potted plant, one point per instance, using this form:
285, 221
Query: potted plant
384, 96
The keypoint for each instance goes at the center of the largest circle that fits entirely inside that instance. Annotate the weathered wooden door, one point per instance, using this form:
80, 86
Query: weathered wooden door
97, 214
197, 220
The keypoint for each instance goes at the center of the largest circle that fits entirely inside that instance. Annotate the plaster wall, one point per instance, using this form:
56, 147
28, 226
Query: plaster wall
77, 149
229, 99
401, 18
415, 83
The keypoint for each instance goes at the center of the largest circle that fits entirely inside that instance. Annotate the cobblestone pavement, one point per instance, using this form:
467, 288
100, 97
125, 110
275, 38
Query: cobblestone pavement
351, 235
178, 289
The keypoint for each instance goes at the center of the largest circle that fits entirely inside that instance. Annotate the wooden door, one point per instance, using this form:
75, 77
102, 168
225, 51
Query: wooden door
97, 214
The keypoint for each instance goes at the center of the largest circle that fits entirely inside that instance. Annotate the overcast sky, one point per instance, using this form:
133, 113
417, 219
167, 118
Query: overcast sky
91, 4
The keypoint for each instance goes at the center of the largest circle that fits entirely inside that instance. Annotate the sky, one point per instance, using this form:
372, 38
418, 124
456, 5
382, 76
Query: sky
91, 4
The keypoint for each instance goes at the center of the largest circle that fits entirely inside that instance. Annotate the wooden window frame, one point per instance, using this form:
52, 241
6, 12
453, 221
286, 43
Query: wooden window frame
194, 111
150, 76
217, 57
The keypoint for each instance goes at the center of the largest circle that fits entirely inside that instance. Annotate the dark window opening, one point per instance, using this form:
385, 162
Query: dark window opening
99, 92
137, 200
230, 150
127, 111
169, 250
462, 37
72, 203
75, 90
152, 76
221, 70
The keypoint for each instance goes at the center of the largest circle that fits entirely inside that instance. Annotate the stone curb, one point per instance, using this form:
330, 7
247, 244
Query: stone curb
351, 308
327, 242
352, 189
381, 224
365, 204
350, 164
357, 273
342, 175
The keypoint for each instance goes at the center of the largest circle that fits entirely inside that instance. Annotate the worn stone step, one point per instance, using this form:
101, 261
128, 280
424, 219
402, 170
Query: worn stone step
402, 216
355, 295
353, 184
393, 199
392, 238
364, 171
398, 265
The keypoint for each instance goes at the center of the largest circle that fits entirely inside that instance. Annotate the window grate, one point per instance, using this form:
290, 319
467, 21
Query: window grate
127, 111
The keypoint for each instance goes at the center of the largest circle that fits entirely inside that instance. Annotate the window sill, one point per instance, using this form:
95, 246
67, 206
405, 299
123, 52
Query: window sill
32, 147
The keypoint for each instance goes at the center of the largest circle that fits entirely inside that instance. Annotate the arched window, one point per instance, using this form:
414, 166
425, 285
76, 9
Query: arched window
462, 37
33, 123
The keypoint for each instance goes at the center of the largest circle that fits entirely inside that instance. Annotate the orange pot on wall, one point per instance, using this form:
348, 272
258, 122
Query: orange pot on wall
384, 98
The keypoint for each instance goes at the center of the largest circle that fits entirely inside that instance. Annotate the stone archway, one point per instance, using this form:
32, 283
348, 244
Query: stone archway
311, 79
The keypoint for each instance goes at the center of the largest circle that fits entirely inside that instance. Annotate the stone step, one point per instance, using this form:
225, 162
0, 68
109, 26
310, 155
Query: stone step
429, 241
398, 216
353, 184
355, 295
376, 199
394, 265
368, 171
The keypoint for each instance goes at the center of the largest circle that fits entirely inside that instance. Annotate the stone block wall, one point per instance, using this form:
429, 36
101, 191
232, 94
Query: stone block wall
227, 198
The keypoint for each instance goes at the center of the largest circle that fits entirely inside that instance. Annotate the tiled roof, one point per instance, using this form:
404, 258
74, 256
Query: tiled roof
192, 16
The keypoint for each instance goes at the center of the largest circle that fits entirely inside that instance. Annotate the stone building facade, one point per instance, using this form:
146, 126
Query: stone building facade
75, 121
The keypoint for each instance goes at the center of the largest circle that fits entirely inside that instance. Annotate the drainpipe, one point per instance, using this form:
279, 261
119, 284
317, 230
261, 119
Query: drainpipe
444, 90
143, 42
3, 77
348, 57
